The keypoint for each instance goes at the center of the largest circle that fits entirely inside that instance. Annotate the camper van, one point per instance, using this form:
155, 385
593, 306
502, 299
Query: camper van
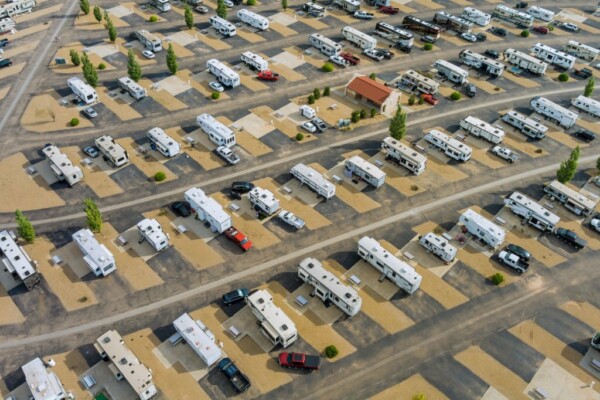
82, 90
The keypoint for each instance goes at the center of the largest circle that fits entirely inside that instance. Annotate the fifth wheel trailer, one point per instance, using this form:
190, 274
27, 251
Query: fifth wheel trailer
359, 38
541, 13
98, 258
348, 5
439, 246
223, 73
402, 155
452, 148
314, 180
324, 44
254, 61
365, 170
148, 40
451, 72
581, 50
6, 24
452, 22
587, 105
482, 228
525, 61
255, 20
132, 87
217, 132
527, 126
553, 111
18, 7
222, 26
423, 27
482, 129
553, 56
476, 16
395, 35
481, 63
570, 198
208, 210
165, 144
532, 212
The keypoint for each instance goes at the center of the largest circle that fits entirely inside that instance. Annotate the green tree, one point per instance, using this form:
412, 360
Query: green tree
188, 16
412, 100
89, 71
455, 96
107, 19
75, 57
427, 46
327, 67
398, 125
363, 114
311, 99
373, 112
563, 77
134, 71
221, 9
284, 4
331, 351
355, 116
215, 95
589, 87
85, 6
97, 13
92, 215
525, 33
317, 94
112, 31
598, 164
497, 278
171, 59
566, 171
24, 227
326, 91
251, 3
373, 76
160, 176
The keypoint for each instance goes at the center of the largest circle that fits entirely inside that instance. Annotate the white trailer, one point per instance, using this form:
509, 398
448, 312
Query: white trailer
253, 19
133, 88
581, 50
222, 26
165, 144
208, 210
553, 56
217, 132
587, 105
482, 228
525, 61
481, 63
402, 155
199, 338
348, 5
519, 18
541, 13
439, 246
254, 61
43, 384
314, 10
6, 24
397, 271
534, 213
150, 41
273, 322
82, 90
393, 34
15, 260
554, 112
452, 148
61, 166
476, 16
570, 198
527, 126
365, 170
452, 22
16, 8
328, 287
419, 82
112, 151
359, 38
151, 231
98, 258
482, 129
223, 73
324, 44
263, 199
161, 5
314, 180
451, 72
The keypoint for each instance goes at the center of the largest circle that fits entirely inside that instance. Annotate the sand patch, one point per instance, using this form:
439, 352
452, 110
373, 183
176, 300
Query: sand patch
88, 22
69, 67
282, 29
23, 48
413, 385
97, 179
384, 313
180, 50
482, 264
12, 70
4, 91
429, 4
122, 110
521, 146
39, 13
528, 83
284, 125
10, 312
486, 86
213, 40
145, 162
45, 114
583, 311
68, 367
286, 72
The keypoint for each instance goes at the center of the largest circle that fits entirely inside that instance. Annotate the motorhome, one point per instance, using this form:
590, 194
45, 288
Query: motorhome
125, 365
324, 44
348, 5
400, 273
393, 34
83, 91
482, 129
151, 231
16, 8
314, 180
42, 383
208, 210
452, 148
264, 200
476, 16
314, 10
223, 73
254, 61
366, 171
481, 63
61, 166
449, 21
439, 246
525, 61
132, 87
112, 151
451, 72
553, 111
532, 212
328, 287
423, 27
148, 40
359, 38
518, 18
161, 5
17, 262
418, 82
587, 105
217, 132
588, 53
273, 322
165, 144
97, 257
527, 126
551, 55
6, 24
222, 26
253, 19
197, 336
482, 228
570, 198
540, 13
404, 156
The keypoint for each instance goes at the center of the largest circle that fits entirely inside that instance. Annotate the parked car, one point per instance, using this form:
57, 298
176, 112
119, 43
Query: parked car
239, 238
492, 54
481, 37
216, 86
541, 29
363, 15
181, 208
268, 75
469, 37
148, 54
351, 58
597, 65
201, 9
299, 361
3, 42
595, 223
388, 55
518, 250
319, 124
91, 151
570, 27
89, 112
309, 127
570, 237
372, 53
389, 10
5, 63
498, 31
471, 90
228, 155
228, 3
505, 153
291, 219
584, 72
522, 4
585, 135
428, 98
428, 39
338, 60
235, 296
513, 261
242, 187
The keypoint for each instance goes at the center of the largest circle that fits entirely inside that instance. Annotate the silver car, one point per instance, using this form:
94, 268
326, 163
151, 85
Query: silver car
308, 126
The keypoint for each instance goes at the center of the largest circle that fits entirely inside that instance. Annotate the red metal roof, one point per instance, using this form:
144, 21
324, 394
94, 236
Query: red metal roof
370, 89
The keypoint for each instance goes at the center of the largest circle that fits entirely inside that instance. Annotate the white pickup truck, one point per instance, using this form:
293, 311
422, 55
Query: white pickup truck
514, 261
505, 153
595, 223
228, 155
291, 219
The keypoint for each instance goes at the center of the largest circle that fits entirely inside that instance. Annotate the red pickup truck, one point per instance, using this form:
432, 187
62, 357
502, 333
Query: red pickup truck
239, 238
352, 59
268, 75
299, 361
389, 10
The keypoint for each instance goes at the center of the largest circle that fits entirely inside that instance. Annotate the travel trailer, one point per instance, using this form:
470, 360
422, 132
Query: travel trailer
253, 19
587, 105
16, 8
525, 61
553, 56
482, 129
527, 126
452, 148
532, 212
17, 262
359, 38
553, 111
131, 87
393, 34
254, 61
365, 170
482, 228
61, 166
419, 82
208, 210
98, 258
264, 200
314, 180
452, 22
439, 246
571, 199
518, 18
217, 132
112, 151
222, 26
481, 63
324, 44
83, 91
42, 382
223, 73
148, 40
197, 336
404, 156
451, 72
165, 144
476, 16
540, 13
151, 231
583, 51
272, 321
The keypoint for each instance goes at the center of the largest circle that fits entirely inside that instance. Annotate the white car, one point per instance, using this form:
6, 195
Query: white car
228, 3
505, 153
228, 155
374, 54
594, 223
309, 126
469, 37
338, 60
216, 86
148, 54
571, 27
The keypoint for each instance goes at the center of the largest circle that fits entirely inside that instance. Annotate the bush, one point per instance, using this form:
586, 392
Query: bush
563, 77
427, 46
455, 96
331, 351
372, 76
101, 66
497, 278
311, 99
82, 299
414, 188
550, 27
363, 114
373, 112
525, 33
215, 95
412, 99
299, 136
327, 67
317, 94
355, 116
421, 100
326, 91
153, 18
160, 176
419, 396
74, 122
251, 2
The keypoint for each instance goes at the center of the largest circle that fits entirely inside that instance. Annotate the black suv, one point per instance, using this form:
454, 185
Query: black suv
584, 135
5, 63
242, 187
385, 53
235, 296
498, 31
518, 250
492, 54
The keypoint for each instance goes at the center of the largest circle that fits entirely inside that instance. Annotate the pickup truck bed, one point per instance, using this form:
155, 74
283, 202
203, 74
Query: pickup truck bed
238, 380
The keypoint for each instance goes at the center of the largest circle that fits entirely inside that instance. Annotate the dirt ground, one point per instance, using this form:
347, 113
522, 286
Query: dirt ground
213, 40
10, 312
527, 83
88, 22
288, 73
146, 163
4, 91
416, 384
162, 96
95, 177
584, 312
68, 368
69, 67
282, 29
30, 30
251, 144
285, 125
45, 114
24, 48
122, 110
12, 70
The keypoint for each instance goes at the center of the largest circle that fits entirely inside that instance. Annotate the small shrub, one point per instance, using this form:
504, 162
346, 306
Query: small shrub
215, 95
525, 33
355, 116
550, 27
421, 101
327, 67
299, 136
74, 122
326, 91
373, 76
496, 89
101, 66
317, 94
427, 46
419, 396
497, 278
363, 114
455, 96
83, 299
153, 18
311, 99
251, 2
414, 188
373, 112
412, 99
160, 176
538, 151
563, 77
331, 351
438, 230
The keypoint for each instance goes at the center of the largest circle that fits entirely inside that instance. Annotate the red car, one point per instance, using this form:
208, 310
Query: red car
268, 75
540, 29
389, 10
428, 98
239, 238
352, 59
299, 361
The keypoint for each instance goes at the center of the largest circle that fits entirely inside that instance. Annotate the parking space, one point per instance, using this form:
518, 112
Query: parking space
212, 39
161, 94
281, 121
10, 314
583, 311
44, 113
559, 382
145, 160
95, 54
181, 356
413, 385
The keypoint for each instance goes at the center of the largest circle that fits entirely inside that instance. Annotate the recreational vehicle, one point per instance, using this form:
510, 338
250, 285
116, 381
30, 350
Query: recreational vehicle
587, 105
451, 72
476, 16
393, 34
400, 273
324, 44
423, 27
263, 199
588, 53
525, 61
199, 338
61, 166
348, 5
328, 287
418, 82
518, 18
6, 24
452, 22
217, 132
83, 91
16, 8
571, 199
527, 126
151, 231
98, 258
540, 13
314, 10
223, 73
222, 26
161, 5
17, 262
439, 246
368, 172
131, 87
482, 228
273, 322
208, 210
164, 143
112, 151
404, 156
553, 56
148, 40
43, 384
359, 38
254, 61
482, 129
452, 148
534, 213
314, 180
255, 20
553, 111
481, 63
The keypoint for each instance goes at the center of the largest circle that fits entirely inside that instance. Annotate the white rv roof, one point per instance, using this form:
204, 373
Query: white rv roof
167, 141
454, 68
526, 57
485, 224
222, 21
225, 70
474, 11
450, 142
415, 76
149, 36
528, 121
198, 199
358, 33
262, 302
483, 58
514, 12
315, 269
15, 259
584, 46
83, 87
545, 103
251, 14
534, 207
197, 339
107, 145
43, 385
95, 254
255, 57
265, 196
399, 267
485, 126
314, 176
216, 127
573, 195
327, 41
152, 231
401, 32
587, 100
405, 150
366, 166
61, 162
554, 51
442, 243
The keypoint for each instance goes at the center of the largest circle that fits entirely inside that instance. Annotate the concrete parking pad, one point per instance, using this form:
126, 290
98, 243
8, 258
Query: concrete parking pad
182, 38
180, 50
162, 96
213, 39
144, 162
10, 314
328, 315
583, 311
560, 384
97, 179
291, 60
525, 82
173, 85
369, 276
183, 355
254, 125
316, 58
121, 109
202, 155
408, 387
285, 18
283, 30
72, 293
492, 372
